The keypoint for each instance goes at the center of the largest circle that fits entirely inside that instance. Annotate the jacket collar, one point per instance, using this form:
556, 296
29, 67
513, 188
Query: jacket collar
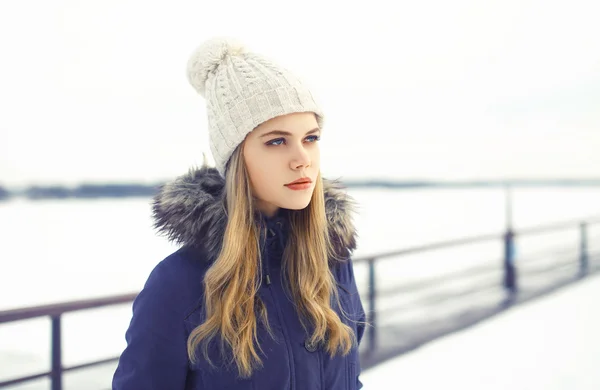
190, 210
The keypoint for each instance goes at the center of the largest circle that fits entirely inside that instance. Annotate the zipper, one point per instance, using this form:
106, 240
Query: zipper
283, 328
266, 270
266, 266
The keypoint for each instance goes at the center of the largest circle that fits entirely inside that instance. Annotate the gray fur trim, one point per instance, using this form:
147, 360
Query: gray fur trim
191, 211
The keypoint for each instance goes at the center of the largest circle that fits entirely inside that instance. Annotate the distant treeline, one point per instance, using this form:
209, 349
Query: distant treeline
477, 183
88, 191
4, 194
83, 191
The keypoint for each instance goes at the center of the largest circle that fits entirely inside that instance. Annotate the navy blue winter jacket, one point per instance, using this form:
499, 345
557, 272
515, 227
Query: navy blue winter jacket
169, 306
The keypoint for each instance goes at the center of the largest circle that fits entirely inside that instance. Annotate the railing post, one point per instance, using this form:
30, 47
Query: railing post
371, 315
56, 376
583, 256
510, 277
510, 273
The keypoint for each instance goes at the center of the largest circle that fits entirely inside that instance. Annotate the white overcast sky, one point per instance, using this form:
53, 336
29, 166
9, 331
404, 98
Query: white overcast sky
96, 90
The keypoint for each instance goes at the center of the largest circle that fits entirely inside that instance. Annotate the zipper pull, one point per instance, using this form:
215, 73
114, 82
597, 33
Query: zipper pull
268, 280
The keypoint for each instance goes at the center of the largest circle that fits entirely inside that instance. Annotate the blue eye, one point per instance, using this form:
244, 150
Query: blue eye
275, 142
281, 141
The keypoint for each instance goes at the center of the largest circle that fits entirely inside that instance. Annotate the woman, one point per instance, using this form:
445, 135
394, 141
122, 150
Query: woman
261, 294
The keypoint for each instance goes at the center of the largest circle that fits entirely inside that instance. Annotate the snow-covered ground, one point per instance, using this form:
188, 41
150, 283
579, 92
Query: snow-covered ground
549, 344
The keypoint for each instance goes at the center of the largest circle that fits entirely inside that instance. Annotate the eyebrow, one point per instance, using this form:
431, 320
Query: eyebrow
281, 132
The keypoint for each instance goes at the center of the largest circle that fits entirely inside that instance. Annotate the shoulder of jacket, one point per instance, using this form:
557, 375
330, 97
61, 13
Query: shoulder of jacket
343, 270
178, 278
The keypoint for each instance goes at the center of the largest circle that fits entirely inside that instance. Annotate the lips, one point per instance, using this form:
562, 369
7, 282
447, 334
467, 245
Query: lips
304, 180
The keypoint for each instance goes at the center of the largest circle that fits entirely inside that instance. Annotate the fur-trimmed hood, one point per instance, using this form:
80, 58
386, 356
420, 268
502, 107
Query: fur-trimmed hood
190, 211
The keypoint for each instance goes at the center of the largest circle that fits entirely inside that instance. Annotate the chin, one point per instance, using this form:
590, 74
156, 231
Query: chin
299, 204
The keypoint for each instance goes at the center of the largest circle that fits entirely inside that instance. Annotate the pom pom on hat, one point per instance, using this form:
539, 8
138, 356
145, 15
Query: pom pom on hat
207, 57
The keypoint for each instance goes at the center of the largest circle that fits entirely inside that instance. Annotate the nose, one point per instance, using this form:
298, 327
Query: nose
300, 158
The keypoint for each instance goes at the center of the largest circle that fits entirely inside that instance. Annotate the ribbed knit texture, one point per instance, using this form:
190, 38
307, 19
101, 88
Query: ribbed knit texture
242, 90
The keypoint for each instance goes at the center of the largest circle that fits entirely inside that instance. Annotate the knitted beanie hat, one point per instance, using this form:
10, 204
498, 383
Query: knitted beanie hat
242, 90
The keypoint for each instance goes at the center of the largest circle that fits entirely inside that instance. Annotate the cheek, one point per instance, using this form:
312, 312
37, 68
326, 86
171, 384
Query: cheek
261, 176
316, 156
253, 162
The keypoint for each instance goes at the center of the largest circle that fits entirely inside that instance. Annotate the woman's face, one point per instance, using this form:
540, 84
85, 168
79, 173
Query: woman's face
281, 151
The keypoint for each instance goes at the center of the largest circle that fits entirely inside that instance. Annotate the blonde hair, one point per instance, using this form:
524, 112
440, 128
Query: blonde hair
232, 282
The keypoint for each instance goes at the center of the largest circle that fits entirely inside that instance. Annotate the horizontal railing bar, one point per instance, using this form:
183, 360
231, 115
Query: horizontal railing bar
439, 280
428, 247
555, 227
439, 297
47, 374
57, 309
25, 379
475, 239
427, 284
413, 287
541, 255
92, 364
541, 269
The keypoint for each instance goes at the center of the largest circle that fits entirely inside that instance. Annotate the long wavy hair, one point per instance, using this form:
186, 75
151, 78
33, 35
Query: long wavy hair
231, 303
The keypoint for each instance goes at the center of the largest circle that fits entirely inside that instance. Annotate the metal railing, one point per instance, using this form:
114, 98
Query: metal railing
55, 312
510, 284
510, 279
